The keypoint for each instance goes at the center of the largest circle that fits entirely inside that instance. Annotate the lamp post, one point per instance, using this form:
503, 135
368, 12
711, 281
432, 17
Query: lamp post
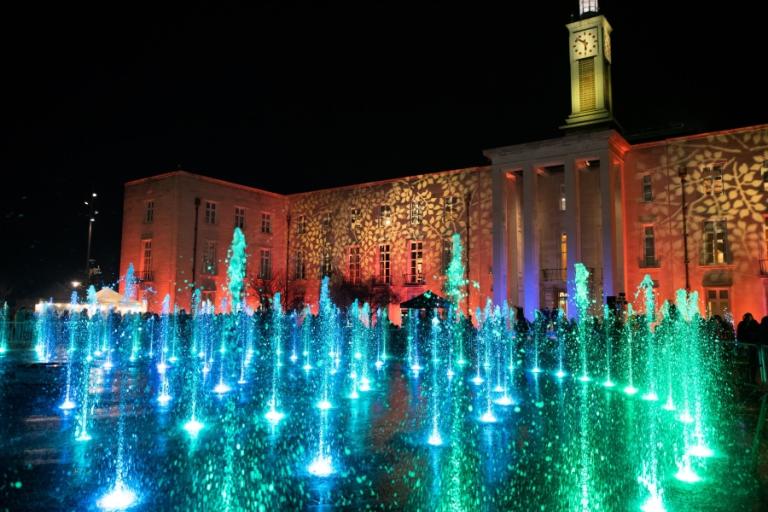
92, 212
682, 172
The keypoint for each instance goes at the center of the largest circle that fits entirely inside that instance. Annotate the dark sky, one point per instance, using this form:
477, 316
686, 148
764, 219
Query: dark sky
291, 96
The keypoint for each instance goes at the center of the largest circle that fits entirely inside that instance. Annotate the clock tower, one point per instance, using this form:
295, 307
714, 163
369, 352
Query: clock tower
589, 50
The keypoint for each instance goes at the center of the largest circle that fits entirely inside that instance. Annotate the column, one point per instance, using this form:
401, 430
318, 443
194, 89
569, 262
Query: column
500, 236
531, 263
513, 251
608, 222
572, 229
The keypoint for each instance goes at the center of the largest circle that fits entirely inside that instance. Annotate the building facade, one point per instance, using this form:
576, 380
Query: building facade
691, 212
177, 228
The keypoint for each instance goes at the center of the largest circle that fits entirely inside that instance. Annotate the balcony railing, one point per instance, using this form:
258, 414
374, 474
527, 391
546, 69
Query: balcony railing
413, 279
145, 276
764, 268
554, 274
649, 262
561, 274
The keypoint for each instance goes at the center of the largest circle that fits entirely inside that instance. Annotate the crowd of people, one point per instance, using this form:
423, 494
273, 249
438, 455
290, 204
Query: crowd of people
750, 331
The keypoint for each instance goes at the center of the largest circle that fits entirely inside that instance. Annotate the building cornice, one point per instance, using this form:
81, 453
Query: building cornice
697, 136
554, 150
186, 174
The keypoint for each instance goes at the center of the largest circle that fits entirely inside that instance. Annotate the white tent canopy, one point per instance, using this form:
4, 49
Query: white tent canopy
106, 299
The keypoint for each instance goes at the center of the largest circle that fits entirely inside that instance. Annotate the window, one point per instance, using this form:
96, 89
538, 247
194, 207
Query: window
265, 269
354, 264
718, 301
561, 203
713, 178
450, 206
385, 215
210, 263
300, 270
764, 173
301, 224
765, 237
649, 247
146, 260
385, 264
417, 211
563, 257
210, 212
715, 243
447, 254
209, 296
354, 217
326, 267
266, 222
149, 212
416, 267
326, 221
587, 6
239, 217
647, 188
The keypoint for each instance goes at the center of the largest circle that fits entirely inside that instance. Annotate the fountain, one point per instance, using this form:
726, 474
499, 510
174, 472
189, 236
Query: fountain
4, 329
426, 430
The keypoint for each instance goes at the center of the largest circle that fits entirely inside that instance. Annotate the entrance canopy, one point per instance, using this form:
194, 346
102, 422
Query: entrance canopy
427, 300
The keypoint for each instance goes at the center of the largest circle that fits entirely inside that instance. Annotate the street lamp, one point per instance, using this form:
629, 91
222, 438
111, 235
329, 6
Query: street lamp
76, 284
682, 172
92, 212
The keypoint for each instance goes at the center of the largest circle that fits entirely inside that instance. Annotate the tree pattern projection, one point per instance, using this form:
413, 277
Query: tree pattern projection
427, 208
724, 182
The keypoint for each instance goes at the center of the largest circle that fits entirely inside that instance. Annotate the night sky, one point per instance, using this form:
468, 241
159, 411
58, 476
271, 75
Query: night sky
292, 96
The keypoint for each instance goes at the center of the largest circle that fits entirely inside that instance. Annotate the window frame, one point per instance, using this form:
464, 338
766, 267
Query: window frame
211, 216
265, 270
210, 266
709, 249
354, 276
647, 188
240, 209
385, 263
415, 277
149, 211
266, 223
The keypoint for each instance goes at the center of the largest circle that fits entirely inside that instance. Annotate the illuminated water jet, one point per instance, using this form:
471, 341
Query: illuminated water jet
120, 497
701, 451
67, 405
488, 417
274, 416
193, 427
321, 466
221, 388
435, 439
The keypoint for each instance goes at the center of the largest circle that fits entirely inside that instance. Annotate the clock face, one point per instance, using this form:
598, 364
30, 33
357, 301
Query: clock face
584, 43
